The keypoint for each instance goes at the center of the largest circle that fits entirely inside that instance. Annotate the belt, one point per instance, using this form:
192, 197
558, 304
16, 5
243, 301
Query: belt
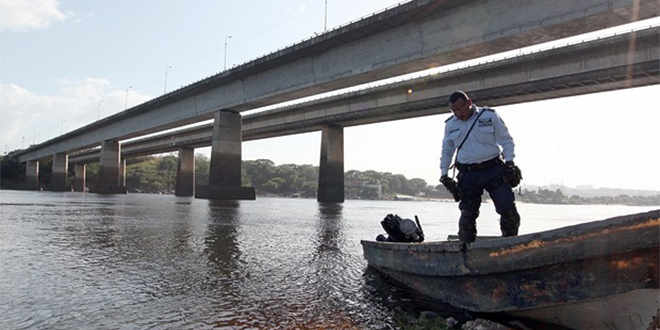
479, 166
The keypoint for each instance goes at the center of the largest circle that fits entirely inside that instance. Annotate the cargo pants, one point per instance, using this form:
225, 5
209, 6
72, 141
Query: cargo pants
472, 184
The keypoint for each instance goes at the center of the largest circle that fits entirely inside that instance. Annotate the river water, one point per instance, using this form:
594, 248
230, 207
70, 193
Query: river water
75, 260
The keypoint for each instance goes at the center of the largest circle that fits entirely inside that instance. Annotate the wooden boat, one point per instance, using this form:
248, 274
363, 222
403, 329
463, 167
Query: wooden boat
601, 274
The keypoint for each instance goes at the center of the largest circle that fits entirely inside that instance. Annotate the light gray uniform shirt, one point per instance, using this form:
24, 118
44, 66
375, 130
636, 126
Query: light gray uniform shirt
488, 139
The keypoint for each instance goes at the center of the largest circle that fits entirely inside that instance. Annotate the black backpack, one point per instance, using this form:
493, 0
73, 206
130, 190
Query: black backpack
401, 230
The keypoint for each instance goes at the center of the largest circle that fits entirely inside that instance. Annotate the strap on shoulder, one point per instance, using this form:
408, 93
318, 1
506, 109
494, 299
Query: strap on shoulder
465, 138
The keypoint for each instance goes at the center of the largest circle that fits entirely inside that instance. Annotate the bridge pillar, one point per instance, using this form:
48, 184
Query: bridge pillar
331, 166
122, 173
185, 173
80, 177
225, 167
60, 170
108, 177
32, 175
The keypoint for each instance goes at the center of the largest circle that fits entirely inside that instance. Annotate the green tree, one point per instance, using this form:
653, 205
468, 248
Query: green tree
202, 165
417, 185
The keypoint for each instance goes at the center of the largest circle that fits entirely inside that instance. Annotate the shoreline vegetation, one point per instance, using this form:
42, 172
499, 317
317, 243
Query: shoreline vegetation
157, 174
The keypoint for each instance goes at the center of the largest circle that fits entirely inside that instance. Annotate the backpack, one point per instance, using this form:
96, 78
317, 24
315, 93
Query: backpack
400, 230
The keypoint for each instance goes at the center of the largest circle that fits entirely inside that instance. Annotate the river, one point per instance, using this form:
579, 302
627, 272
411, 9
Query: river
76, 260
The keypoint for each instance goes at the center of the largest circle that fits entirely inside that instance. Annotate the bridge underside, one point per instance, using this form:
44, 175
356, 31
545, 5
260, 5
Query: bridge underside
618, 62
414, 36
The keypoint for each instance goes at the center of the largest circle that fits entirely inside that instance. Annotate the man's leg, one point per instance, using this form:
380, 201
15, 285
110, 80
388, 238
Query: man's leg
469, 206
505, 205
510, 221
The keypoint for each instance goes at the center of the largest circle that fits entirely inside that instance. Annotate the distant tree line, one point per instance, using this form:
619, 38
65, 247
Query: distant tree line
157, 174
545, 196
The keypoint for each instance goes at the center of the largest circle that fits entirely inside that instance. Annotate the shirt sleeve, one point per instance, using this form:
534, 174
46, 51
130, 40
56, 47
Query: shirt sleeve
503, 138
447, 152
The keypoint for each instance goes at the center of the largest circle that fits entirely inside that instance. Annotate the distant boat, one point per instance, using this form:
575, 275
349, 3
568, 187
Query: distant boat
595, 275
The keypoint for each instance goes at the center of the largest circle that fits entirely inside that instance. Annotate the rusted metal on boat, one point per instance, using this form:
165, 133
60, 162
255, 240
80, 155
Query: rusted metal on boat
573, 269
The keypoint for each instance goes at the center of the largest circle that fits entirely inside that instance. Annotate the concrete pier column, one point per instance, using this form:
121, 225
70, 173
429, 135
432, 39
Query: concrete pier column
108, 177
225, 167
80, 178
331, 166
185, 173
32, 175
122, 173
60, 170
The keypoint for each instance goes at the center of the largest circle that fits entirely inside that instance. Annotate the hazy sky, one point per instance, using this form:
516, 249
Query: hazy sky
64, 64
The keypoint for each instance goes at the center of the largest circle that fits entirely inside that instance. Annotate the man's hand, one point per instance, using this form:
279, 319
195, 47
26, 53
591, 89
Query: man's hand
512, 174
451, 186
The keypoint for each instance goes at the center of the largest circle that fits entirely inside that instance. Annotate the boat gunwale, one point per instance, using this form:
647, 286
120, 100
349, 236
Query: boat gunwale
566, 244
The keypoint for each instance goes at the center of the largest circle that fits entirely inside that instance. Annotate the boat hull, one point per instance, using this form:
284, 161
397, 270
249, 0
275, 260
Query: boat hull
539, 287
631, 310
538, 274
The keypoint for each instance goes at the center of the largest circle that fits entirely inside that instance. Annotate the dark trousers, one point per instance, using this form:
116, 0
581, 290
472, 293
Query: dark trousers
472, 184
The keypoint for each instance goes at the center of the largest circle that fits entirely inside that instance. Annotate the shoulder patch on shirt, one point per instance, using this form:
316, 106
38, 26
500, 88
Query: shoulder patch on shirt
450, 118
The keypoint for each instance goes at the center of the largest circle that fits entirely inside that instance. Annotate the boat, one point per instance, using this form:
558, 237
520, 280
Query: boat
596, 275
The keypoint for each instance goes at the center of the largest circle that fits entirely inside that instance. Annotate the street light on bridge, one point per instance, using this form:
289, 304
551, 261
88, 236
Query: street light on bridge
226, 42
98, 109
126, 97
165, 84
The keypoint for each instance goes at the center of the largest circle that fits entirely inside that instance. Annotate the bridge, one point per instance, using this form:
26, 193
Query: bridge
410, 37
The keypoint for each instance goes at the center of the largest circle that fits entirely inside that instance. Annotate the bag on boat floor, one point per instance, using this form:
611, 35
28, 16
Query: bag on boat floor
400, 230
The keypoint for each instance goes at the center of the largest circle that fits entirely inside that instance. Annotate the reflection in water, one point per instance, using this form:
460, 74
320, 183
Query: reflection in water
383, 291
221, 239
333, 272
330, 227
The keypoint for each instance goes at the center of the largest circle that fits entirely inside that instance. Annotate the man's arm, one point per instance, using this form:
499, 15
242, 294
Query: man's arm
503, 138
447, 152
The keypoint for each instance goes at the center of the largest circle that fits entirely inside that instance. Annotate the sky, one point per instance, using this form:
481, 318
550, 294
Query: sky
64, 64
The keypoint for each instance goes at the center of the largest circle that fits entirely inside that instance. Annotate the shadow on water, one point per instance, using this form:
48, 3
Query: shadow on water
394, 296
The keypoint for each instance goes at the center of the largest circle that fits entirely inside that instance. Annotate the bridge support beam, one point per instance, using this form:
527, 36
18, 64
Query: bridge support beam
225, 167
331, 166
80, 177
60, 170
109, 170
185, 173
32, 175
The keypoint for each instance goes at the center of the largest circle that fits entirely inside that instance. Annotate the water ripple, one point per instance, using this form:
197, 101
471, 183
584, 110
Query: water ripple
145, 261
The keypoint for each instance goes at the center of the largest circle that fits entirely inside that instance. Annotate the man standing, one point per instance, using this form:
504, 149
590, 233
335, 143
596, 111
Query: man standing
478, 136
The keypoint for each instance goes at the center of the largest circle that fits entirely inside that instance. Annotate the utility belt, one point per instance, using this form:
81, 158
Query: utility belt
479, 166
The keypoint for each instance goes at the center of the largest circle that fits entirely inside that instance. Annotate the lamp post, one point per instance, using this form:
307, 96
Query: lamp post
226, 42
98, 110
126, 97
325, 19
165, 84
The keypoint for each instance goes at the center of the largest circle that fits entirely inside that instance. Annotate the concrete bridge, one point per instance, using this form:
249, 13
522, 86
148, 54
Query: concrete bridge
413, 36
594, 66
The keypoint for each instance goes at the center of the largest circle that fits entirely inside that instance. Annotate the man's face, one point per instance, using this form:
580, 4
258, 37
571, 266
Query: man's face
462, 109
